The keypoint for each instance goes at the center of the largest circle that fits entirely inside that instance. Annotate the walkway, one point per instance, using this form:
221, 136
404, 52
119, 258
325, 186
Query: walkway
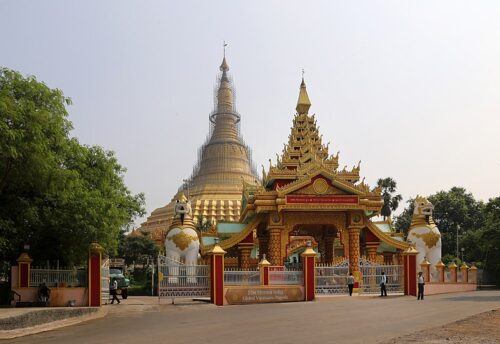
338, 319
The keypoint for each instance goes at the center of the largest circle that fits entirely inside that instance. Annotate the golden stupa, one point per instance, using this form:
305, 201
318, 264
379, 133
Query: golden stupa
224, 163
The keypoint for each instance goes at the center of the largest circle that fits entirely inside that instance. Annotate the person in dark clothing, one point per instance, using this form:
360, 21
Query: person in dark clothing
112, 289
383, 282
350, 283
43, 293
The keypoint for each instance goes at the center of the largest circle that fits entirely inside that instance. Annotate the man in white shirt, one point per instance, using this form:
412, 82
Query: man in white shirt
112, 289
421, 283
383, 281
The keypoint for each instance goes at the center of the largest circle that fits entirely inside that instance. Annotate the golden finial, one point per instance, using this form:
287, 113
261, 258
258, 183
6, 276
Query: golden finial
224, 67
303, 103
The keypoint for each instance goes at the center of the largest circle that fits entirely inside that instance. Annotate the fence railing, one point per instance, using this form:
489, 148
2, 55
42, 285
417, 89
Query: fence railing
372, 276
286, 277
241, 277
331, 279
61, 278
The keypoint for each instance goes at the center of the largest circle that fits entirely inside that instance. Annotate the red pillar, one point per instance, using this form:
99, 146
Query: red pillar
94, 277
264, 270
23, 270
217, 275
410, 266
308, 257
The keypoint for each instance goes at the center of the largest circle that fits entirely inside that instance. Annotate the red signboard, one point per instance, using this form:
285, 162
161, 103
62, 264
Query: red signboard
337, 199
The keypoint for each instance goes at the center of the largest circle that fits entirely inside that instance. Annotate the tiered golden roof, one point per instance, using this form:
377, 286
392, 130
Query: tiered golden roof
224, 161
303, 156
306, 152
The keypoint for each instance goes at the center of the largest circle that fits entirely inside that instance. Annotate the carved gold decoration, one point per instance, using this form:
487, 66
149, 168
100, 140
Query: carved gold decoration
430, 238
274, 248
354, 248
320, 186
182, 240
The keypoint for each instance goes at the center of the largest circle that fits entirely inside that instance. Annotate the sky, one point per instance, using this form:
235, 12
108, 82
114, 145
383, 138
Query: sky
410, 88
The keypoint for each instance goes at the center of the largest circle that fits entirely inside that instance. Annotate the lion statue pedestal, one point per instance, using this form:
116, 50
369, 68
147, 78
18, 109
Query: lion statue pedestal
424, 234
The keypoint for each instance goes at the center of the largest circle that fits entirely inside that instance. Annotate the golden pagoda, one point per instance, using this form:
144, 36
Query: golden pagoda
224, 163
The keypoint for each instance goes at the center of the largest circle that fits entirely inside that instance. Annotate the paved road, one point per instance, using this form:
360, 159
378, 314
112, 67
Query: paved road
330, 320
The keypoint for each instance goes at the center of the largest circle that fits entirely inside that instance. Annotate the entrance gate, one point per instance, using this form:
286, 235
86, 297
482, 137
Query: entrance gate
332, 279
372, 275
105, 282
176, 279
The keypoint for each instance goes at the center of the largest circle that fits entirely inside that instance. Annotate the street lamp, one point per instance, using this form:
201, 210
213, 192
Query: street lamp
462, 249
456, 253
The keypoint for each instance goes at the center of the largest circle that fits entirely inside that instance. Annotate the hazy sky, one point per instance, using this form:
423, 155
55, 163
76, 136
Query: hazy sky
411, 88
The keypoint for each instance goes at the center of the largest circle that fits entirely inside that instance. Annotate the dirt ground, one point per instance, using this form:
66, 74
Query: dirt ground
483, 328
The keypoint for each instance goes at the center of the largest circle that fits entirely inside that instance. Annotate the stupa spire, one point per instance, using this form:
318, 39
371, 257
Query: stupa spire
303, 103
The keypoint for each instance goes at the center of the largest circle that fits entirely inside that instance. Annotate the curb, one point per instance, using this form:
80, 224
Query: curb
26, 331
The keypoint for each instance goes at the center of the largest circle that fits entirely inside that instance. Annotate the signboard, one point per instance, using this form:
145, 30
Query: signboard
263, 294
336, 199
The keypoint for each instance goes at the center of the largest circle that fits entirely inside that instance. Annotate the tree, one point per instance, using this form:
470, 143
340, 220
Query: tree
136, 248
391, 201
55, 194
490, 237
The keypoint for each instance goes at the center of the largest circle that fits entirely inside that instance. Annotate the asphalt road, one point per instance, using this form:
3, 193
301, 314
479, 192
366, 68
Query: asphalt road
329, 320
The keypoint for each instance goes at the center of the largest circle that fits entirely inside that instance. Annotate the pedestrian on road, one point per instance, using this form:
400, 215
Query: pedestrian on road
383, 281
112, 289
421, 283
350, 283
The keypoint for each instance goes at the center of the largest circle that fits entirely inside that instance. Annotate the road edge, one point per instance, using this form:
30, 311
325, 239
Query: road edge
54, 325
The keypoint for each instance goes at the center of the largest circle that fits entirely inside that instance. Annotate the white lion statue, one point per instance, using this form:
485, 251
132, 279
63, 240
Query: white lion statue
424, 233
182, 243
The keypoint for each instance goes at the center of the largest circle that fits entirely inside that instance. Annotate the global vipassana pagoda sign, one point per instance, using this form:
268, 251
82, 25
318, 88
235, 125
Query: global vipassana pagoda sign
335, 199
249, 295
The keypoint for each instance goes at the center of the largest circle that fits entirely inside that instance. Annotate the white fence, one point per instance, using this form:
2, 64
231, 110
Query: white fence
332, 279
176, 279
241, 277
105, 282
286, 277
56, 277
372, 276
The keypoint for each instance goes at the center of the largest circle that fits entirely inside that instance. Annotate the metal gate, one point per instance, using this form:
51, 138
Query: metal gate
372, 275
105, 282
176, 279
332, 279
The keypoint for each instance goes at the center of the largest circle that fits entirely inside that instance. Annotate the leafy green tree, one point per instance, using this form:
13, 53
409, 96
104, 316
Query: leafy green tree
55, 194
391, 201
456, 210
490, 235
136, 249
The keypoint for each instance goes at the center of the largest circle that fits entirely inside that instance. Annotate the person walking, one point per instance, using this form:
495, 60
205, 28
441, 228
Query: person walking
112, 289
421, 283
383, 281
350, 283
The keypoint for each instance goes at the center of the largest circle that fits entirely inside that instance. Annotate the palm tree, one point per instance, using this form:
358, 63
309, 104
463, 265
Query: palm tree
391, 201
